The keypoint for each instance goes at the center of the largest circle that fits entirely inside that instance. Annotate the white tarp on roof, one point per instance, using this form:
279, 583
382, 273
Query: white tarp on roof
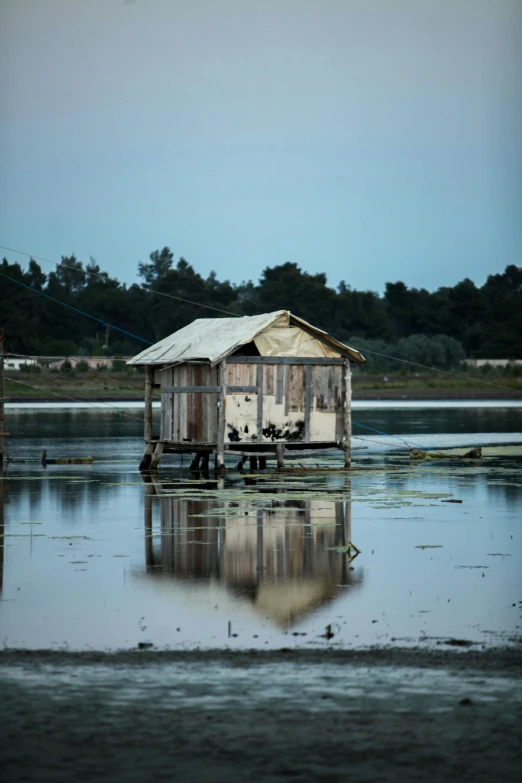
213, 339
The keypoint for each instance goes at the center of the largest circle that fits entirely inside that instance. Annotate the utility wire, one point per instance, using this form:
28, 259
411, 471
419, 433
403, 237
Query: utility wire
387, 434
446, 372
74, 399
91, 370
228, 312
106, 278
76, 310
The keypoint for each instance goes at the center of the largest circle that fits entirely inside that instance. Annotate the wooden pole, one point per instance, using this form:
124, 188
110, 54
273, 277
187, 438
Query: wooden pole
149, 383
194, 465
220, 446
147, 426
3, 436
280, 451
155, 459
347, 424
3, 487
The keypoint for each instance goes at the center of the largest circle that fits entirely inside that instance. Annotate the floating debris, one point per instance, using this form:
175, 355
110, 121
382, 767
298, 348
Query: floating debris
451, 454
350, 550
458, 642
429, 546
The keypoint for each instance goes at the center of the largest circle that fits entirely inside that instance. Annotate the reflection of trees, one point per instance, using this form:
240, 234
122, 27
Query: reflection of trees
67, 426
53, 487
438, 421
276, 554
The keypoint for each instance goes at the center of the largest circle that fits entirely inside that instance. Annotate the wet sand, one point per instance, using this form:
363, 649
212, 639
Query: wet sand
262, 716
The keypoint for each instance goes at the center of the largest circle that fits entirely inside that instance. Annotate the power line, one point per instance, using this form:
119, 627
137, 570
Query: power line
76, 310
91, 370
227, 312
105, 277
446, 372
74, 399
387, 434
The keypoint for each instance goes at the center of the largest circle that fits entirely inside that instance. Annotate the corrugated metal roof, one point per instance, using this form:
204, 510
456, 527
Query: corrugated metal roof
213, 339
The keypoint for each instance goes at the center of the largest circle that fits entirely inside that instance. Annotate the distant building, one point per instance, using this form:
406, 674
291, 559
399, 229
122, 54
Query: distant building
492, 362
56, 362
94, 362
12, 363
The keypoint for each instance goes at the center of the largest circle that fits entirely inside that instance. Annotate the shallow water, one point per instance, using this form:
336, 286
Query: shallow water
94, 557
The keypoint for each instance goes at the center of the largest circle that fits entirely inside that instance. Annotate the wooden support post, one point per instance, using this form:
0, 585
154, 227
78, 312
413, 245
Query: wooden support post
149, 383
253, 463
3, 488
3, 434
280, 451
194, 465
220, 450
347, 423
158, 451
262, 463
259, 384
145, 460
241, 463
205, 456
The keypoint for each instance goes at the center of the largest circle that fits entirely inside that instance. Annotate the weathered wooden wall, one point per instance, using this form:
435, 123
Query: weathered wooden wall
288, 389
265, 403
188, 416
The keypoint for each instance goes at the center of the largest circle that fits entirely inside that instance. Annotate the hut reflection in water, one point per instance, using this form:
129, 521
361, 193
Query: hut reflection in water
279, 555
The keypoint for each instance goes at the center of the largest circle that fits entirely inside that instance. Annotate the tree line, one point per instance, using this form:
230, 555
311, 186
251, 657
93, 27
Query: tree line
439, 328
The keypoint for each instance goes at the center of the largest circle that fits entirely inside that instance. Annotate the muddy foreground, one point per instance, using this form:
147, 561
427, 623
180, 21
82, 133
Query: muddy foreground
282, 715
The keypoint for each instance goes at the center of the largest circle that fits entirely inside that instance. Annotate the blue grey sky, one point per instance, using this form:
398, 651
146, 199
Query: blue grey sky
373, 140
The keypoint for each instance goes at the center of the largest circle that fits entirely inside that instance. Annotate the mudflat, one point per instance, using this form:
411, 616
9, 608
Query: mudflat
326, 715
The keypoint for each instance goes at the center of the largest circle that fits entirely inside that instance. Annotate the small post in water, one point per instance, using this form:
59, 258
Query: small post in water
3, 433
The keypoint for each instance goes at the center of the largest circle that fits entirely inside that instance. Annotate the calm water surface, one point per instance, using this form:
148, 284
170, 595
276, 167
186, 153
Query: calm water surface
93, 556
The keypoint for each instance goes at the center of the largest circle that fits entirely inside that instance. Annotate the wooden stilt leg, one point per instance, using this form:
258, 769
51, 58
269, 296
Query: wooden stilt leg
241, 463
194, 465
347, 424
262, 463
280, 451
220, 446
145, 460
205, 456
253, 463
158, 451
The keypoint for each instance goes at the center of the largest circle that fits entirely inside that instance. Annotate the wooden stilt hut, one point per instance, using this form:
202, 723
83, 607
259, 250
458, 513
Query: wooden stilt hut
254, 387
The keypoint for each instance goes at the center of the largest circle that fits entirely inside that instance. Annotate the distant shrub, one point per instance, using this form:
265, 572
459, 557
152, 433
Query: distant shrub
82, 366
30, 368
66, 366
118, 365
513, 370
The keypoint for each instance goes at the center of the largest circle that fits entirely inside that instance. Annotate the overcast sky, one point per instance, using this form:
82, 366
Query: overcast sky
374, 140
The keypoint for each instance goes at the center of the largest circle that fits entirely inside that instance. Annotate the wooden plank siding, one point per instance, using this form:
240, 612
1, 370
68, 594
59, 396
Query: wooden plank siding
301, 401
191, 414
